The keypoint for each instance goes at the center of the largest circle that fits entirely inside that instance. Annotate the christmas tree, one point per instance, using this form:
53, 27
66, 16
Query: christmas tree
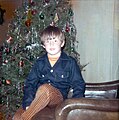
23, 45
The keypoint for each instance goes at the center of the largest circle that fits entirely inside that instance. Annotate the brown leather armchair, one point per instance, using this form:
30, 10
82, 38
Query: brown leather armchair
101, 102
88, 109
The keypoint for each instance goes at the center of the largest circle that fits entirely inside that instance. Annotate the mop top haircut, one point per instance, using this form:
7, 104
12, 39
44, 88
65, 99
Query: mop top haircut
52, 32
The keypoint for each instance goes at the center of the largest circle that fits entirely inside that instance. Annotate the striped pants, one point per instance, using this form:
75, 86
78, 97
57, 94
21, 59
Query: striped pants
46, 95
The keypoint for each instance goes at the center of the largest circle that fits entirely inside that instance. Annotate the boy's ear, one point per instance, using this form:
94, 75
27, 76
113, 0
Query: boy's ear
62, 45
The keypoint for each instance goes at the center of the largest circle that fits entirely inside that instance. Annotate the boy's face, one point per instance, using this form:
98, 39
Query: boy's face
53, 45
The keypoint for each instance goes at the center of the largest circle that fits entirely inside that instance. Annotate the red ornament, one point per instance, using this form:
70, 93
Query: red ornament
8, 82
67, 29
28, 22
21, 63
5, 61
33, 12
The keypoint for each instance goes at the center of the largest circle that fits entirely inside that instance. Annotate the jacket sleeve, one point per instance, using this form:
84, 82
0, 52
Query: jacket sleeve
77, 81
30, 87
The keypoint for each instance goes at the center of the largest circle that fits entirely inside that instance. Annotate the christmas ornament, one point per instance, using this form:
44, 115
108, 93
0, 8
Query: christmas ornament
56, 18
29, 14
10, 39
5, 61
33, 12
72, 49
67, 28
2, 116
41, 16
8, 82
28, 22
21, 63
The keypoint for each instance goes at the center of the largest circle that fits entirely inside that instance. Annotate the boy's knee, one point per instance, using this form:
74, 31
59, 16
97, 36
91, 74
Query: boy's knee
45, 88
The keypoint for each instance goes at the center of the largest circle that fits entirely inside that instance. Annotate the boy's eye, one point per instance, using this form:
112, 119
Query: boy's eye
55, 40
47, 41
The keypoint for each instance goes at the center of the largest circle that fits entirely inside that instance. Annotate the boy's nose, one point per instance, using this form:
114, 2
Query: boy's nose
52, 43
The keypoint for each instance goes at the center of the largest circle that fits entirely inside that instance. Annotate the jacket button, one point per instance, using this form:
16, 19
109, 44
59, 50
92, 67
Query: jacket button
51, 71
49, 82
43, 75
62, 76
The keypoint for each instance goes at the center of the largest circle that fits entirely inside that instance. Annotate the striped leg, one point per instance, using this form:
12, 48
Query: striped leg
46, 95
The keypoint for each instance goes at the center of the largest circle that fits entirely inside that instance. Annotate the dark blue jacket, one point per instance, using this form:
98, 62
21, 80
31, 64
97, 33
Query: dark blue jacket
65, 74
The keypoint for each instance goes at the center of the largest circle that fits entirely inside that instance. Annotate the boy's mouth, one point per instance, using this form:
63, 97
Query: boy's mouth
52, 49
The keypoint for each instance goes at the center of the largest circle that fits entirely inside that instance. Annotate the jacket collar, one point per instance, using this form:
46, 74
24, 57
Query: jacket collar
62, 57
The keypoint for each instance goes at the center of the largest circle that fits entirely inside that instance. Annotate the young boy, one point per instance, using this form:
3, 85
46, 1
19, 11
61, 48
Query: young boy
52, 76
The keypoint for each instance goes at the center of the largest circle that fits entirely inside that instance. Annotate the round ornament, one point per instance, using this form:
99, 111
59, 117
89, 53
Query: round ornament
67, 29
28, 22
8, 82
41, 16
5, 61
2, 116
72, 49
33, 12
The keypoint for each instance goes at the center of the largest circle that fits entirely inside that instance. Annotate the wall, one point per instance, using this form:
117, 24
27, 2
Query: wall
9, 6
97, 23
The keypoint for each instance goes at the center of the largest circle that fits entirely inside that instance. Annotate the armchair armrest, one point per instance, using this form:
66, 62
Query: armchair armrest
88, 108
